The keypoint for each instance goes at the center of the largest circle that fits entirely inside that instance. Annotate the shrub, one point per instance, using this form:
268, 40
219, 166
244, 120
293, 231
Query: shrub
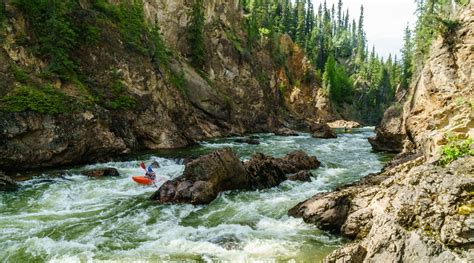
123, 102
44, 100
456, 148
19, 74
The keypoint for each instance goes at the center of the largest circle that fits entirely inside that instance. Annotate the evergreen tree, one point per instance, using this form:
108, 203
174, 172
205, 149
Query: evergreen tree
407, 58
196, 34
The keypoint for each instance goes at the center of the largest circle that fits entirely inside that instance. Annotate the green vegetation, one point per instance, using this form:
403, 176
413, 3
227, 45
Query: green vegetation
122, 102
337, 49
19, 74
44, 100
178, 81
455, 148
196, 34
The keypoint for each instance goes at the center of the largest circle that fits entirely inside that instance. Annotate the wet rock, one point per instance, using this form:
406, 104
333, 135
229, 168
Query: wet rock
303, 176
328, 211
7, 183
204, 178
343, 124
322, 130
248, 141
286, 132
103, 172
298, 161
263, 172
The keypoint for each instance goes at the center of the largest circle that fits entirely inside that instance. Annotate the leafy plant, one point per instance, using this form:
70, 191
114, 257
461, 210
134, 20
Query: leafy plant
456, 148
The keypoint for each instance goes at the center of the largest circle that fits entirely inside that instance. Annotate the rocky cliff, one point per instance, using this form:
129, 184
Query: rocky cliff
415, 210
122, 99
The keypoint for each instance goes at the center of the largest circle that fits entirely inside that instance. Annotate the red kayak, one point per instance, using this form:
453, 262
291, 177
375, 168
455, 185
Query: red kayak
142, 180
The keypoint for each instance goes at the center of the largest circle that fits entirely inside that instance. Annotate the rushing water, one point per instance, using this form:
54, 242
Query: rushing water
75, 219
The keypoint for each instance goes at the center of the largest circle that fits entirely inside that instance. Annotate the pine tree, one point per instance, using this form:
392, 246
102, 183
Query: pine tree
196, 34
300, 29
407, 58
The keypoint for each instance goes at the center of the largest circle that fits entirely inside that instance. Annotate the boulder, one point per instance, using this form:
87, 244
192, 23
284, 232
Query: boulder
320, 130
354, 253
285, 132
343, 124
264, 172
298, 161
303, 176
247, 141
390, 133
102, 172
7, 183
204, 178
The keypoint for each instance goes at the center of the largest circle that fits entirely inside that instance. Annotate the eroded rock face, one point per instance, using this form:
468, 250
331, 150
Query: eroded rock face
322, 130
390, 133
6, 183
411, 215
343, 124
205, 177
103, 172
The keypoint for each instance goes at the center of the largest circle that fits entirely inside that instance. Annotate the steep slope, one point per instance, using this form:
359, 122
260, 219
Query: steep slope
415, 210
126, 92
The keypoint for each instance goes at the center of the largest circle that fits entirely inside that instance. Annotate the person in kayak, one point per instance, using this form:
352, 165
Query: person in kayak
150, 173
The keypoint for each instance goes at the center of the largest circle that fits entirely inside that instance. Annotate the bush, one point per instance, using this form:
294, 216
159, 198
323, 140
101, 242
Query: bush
19, 74
43, 100
123, 102
456, 148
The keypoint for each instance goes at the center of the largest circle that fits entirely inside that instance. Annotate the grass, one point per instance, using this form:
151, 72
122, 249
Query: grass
456, 148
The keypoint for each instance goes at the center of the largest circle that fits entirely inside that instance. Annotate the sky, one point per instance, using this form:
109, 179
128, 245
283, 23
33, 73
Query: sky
385, 21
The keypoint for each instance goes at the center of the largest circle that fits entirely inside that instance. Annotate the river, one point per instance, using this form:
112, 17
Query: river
74, 218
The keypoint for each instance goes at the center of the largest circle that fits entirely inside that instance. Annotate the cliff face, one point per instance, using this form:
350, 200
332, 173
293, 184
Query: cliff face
440, 101
124, 102
414, 210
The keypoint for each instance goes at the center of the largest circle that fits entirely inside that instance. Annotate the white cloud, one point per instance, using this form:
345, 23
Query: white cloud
385, 21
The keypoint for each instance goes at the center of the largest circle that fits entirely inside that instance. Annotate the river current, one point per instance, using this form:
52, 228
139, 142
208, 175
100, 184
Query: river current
73, 218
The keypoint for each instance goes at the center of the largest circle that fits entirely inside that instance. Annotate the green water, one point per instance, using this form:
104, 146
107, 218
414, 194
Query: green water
78, 219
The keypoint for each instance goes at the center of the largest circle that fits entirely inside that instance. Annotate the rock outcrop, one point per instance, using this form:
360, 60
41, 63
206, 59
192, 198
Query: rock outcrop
7, 183
343, 124
303, 176
205, 177
414, 215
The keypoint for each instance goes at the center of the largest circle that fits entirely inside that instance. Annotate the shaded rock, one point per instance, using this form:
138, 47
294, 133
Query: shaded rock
254, 137
247, 141
298, 161
286, 132
264, 172
103, 172
390, 132
328, 211
7, 183
343, 124
320, 130
303, 176
204, 178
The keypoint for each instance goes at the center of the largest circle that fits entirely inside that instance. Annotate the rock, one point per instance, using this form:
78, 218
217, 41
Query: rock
248, 141
328, 211
298, 161
390, 132
254, 137
7, 183
204, 178
102, 172
303, 176
319, 130
354, 253
264, 172
285, 132
343, 124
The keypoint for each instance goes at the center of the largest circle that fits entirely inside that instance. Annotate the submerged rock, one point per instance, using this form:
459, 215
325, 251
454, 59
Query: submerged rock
248, 141
205, 177
286, 132
102, 172
7, 183
320, 130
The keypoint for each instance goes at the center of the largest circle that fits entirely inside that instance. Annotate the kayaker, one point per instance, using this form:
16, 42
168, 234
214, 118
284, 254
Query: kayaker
150, 173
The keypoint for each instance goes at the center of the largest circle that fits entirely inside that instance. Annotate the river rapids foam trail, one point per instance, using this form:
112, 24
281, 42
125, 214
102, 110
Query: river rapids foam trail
78, 219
